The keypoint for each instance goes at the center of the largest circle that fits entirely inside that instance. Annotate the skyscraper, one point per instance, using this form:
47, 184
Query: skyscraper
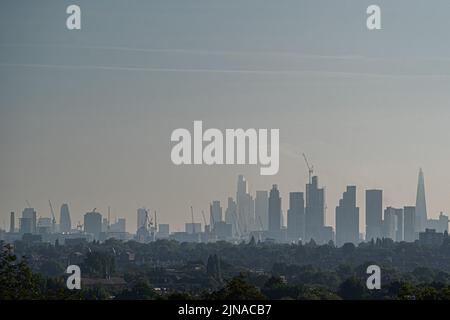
421, 204
215, 211
262, 209
399, 225
389, 223
347, 218
315, 211
245, 207
393, 224
28, 221
231, 216
409, 214
12, 223
274, 211
93, 224
374, 214
65, 225
296, 216
141, 218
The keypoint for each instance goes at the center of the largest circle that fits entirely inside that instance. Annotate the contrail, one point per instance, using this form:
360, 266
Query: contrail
224, 71
187, 51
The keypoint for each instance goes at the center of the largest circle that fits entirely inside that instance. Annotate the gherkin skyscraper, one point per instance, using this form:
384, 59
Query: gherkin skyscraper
421, 204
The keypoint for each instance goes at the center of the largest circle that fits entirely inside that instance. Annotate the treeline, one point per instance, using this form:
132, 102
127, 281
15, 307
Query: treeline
171, 270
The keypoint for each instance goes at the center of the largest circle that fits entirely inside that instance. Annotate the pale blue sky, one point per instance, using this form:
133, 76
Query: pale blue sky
86, 116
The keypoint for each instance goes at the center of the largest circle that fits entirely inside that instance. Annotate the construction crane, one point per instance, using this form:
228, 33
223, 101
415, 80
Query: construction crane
53, 216
28, 204
156, 222
193, 222
310, 168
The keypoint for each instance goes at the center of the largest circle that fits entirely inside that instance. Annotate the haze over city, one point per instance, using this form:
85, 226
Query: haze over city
86, 117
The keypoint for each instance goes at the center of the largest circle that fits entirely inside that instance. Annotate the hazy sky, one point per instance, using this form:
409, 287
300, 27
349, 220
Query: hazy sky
86, 116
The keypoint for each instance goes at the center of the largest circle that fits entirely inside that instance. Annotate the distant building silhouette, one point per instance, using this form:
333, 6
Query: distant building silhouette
12, 223
421, 204
315, 211
431, 238
28, 222
93, 224
65, 224
118, 226
163, 230
141, 218
374, 214
409, 215
44, 225
296, 216
393, 224
399, 225
347, 218
231, 216
262, 209
440, 224
193, 227
215, 213
245, 207
274, 211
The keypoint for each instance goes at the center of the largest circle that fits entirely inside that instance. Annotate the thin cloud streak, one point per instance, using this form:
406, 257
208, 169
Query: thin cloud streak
223, 71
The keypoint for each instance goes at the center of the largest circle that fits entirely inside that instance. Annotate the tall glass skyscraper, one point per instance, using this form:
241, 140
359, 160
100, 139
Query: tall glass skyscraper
421, 204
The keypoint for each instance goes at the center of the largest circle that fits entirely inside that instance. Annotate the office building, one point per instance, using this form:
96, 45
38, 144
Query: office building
347, 218
315, 211
262, 209
93, 224
274, 211
374, 214
296, 217
409, 214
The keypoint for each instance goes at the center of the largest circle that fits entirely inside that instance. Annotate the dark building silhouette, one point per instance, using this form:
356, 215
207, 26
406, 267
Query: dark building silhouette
347, 218
431, 238
399, 225
262, 209
93, 224
393, 224
245, 207
421, 204
12, 222
28, 222
65, 224
231, 216
409, 214
274, 210
374, 214
296, 216
315, 211
215, 213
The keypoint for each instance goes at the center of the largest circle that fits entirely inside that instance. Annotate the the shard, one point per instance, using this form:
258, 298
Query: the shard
421, 204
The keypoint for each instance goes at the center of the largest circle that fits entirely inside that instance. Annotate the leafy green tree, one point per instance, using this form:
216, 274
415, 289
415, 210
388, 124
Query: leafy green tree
140, 291
17, 281
351, 289
237, 289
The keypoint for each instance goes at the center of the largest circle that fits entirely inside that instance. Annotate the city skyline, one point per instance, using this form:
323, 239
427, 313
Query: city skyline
86, 116
245, 216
